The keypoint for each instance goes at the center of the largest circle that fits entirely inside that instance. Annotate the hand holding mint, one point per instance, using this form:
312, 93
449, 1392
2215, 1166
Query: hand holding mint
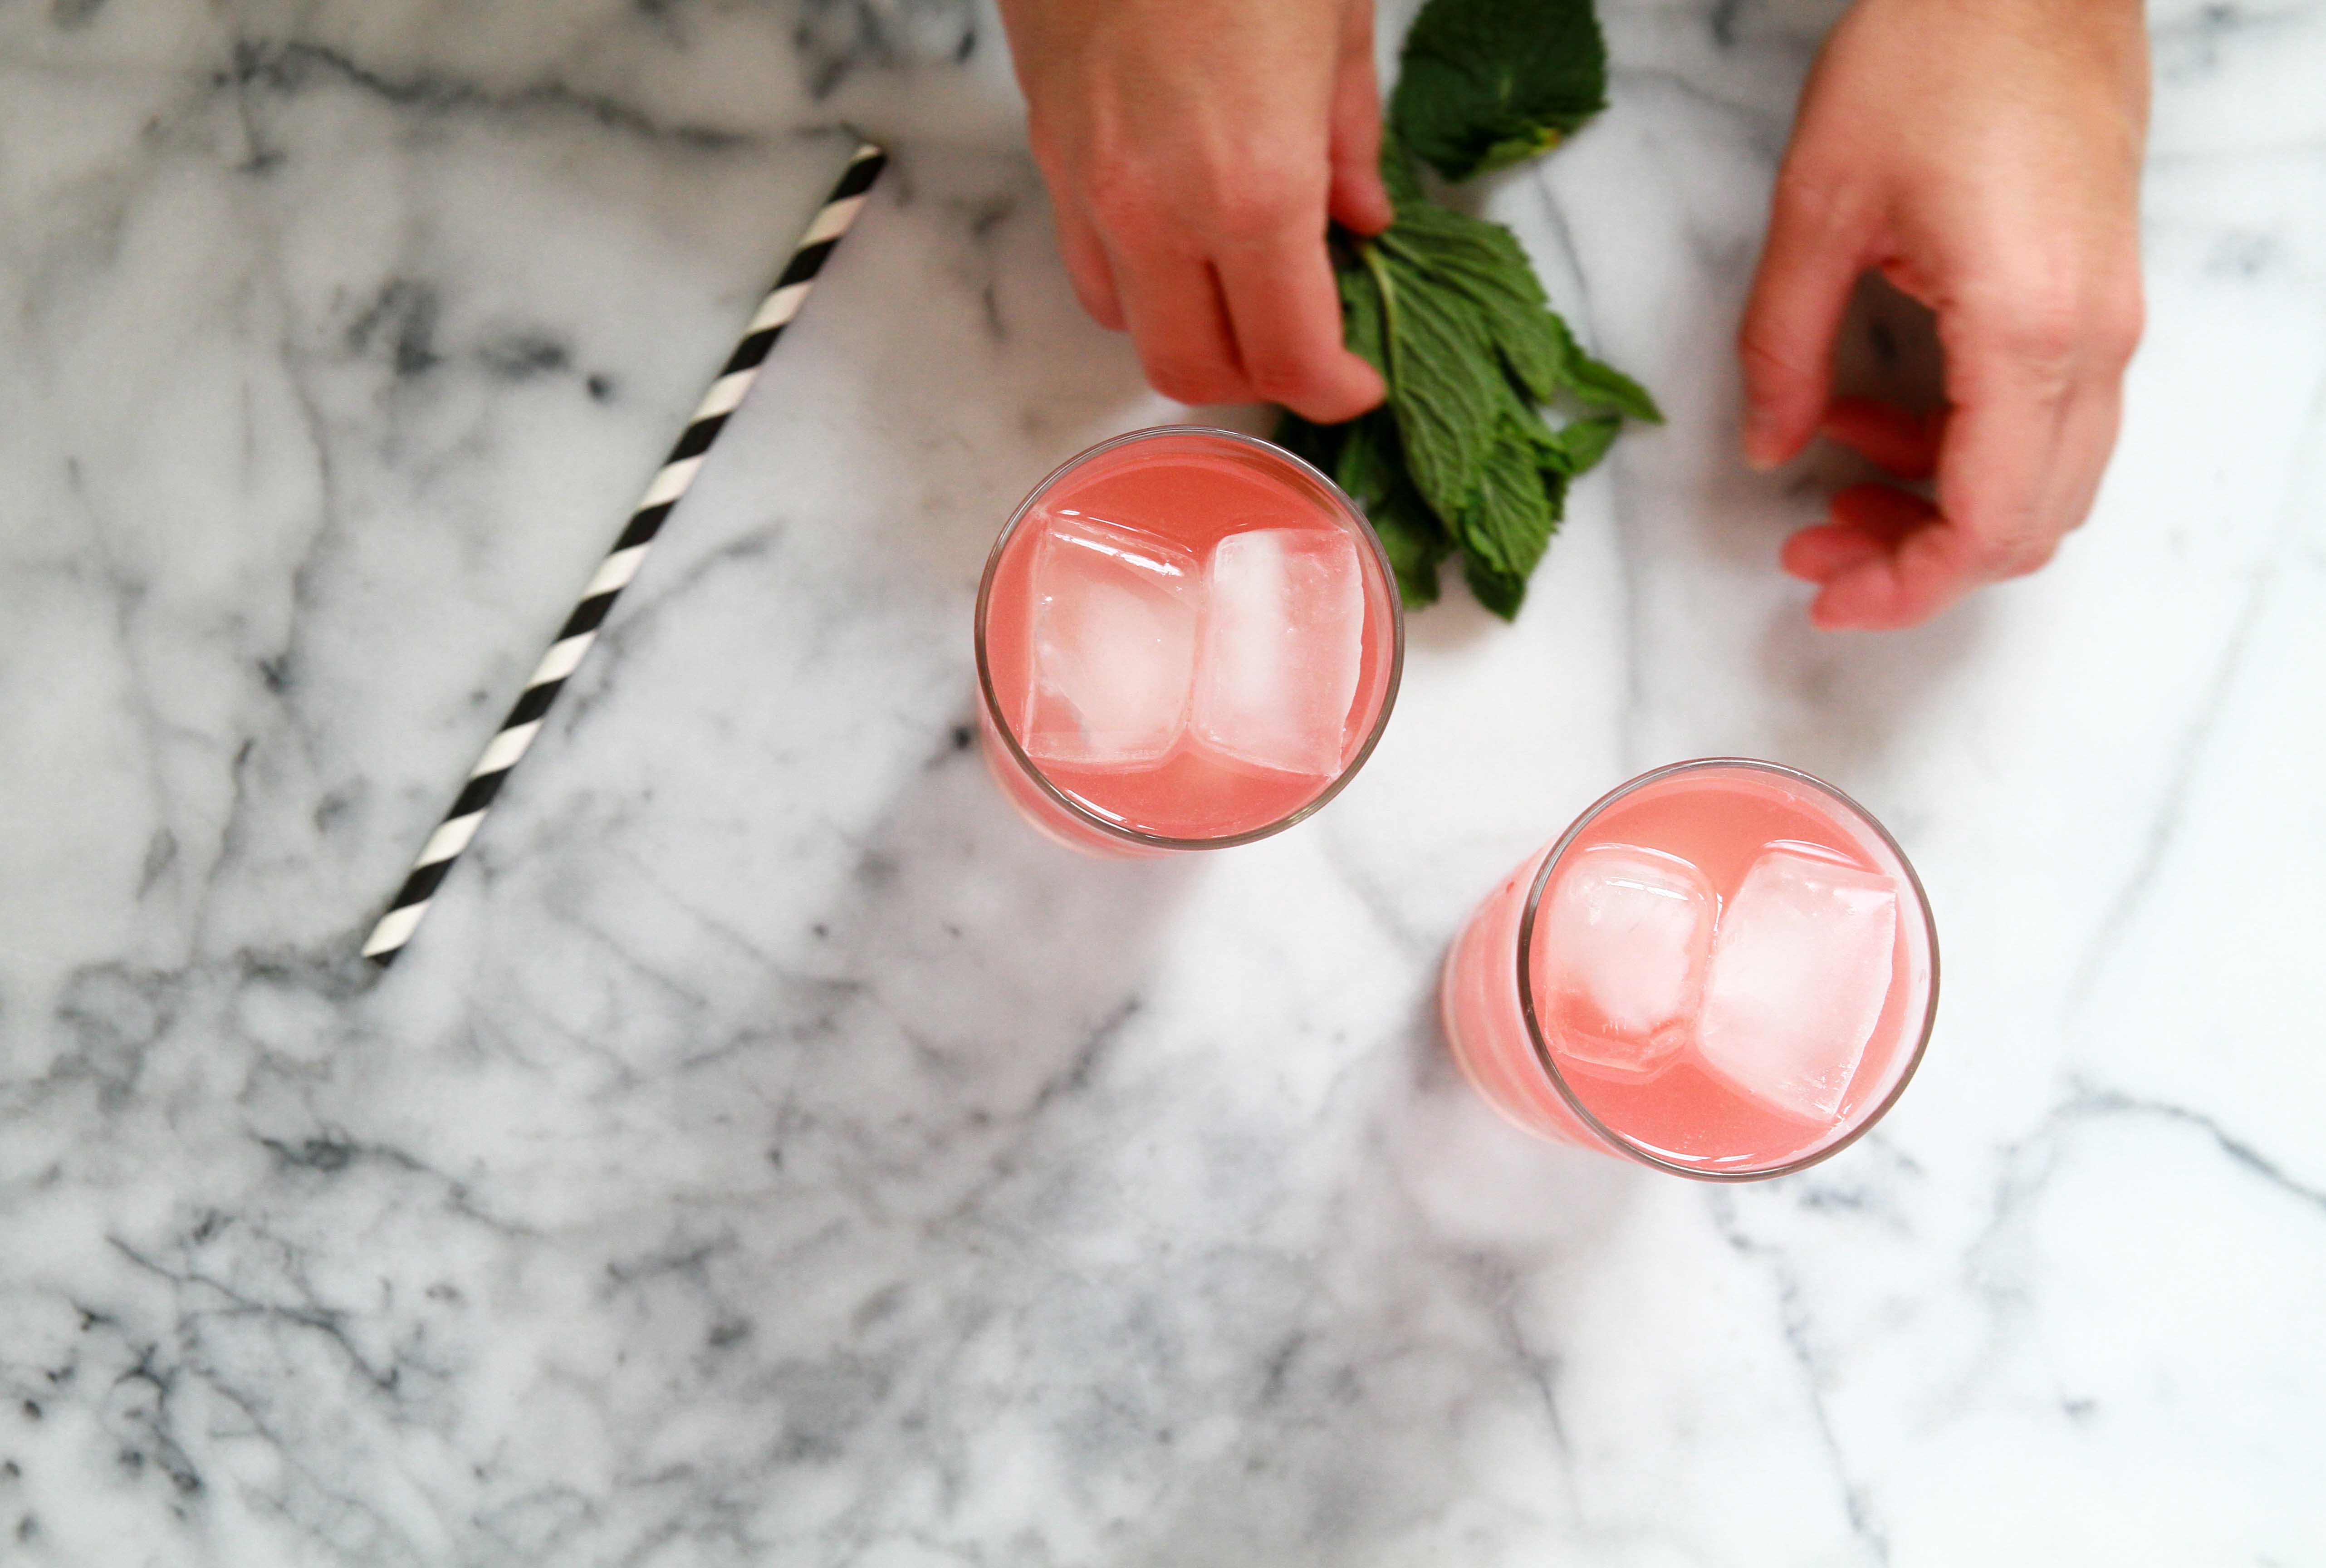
1446, 307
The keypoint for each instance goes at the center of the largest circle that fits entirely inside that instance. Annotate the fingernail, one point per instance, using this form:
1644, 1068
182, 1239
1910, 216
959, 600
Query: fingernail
1762, 448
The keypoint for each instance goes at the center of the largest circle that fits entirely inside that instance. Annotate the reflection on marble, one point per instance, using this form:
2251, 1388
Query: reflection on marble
772, 1152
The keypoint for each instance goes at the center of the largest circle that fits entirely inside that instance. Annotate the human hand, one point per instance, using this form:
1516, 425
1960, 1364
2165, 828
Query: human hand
1193, 150
1984, 155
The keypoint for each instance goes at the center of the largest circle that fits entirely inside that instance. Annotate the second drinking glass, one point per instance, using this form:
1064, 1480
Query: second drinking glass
1726, 968
1186, 638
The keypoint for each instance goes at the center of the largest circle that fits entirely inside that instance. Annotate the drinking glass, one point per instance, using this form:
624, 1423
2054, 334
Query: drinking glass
1719, 814
1165, 501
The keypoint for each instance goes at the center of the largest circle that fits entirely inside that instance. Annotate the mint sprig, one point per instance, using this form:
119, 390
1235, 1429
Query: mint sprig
1448, 309
1483, 84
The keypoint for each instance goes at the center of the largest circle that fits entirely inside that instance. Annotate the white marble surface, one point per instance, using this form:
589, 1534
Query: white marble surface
772, 1152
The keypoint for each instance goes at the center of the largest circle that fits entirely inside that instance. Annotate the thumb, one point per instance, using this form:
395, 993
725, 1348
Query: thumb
1819, 243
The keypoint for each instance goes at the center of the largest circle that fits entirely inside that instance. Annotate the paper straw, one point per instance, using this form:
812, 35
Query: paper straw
621, 564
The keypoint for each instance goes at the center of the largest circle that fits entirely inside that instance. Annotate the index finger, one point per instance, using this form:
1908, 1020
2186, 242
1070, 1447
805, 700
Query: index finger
1285, 311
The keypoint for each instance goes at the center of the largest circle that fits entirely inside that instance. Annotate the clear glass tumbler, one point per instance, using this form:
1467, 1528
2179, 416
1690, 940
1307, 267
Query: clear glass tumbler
1635, 1071
1186, 638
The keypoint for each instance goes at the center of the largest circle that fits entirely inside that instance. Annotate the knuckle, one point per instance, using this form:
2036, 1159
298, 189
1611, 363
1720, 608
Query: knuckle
1187, 381
2045, 326
2013, 555
2054, 323
2038, 313
1121, 194
1989, 556
1228, 194
2032, 556
1285, 381
1770, 362
2124, 319
1813, 201
1758, 348
1261, 200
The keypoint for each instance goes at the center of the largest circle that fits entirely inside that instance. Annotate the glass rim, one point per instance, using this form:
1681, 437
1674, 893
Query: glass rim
1126, 834
1631, 1147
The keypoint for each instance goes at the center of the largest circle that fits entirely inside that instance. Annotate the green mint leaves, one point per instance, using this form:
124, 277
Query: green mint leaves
1448, 309
1488, 83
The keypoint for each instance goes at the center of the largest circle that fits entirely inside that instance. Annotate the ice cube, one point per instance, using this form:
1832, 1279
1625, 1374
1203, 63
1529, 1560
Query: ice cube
1622, 957
1800, 972
1114, 622
1283, 645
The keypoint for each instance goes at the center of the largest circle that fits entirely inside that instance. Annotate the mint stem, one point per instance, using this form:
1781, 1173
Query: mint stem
1369, 252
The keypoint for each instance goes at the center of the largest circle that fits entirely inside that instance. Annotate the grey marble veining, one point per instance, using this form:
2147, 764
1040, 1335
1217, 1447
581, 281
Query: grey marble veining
771, 1152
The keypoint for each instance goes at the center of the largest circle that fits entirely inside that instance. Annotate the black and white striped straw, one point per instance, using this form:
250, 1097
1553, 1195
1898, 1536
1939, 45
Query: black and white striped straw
621, 564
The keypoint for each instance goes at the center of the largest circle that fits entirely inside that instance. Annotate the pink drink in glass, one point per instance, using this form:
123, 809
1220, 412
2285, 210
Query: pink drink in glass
1186, 638
1726, 968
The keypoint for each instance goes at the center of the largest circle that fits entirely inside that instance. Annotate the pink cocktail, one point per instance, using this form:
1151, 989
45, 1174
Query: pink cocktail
1186, 638
1724, 968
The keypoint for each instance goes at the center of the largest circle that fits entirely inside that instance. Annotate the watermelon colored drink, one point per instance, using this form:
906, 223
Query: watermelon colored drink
1186, 638
1726, 968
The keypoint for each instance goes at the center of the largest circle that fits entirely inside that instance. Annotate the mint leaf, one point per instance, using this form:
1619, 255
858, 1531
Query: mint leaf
1363, 458
1364, 322
1368, 466
1372, 469
1576, 448
1554, 493
1513, 506
1318, 445
1397, 169
1448, 309
1442, 376
1509, 521
1415, 543
1497, 590
1601, 385
1489, 83
1485, 262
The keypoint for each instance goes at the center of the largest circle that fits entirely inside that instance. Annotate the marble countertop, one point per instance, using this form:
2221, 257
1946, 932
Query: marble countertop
770, 1151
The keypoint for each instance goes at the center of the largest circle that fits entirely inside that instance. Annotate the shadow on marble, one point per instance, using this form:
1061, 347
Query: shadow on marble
1860, 701
1350, 1371
992, 967
1495, 1176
